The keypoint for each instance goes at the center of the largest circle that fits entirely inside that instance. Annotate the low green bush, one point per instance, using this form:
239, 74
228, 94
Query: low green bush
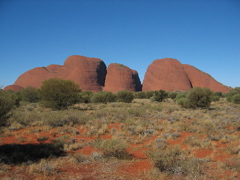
85, 96
172, 95
232, 92
159, 96
140, 95
125, 96
103, 97
29, 94
196, 98
236, 99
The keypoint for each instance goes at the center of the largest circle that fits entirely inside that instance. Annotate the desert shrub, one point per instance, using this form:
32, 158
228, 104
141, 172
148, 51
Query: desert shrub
172, 95
113, 148
124, 96
215, 98
196, 98
236, 98
180, 95
58, 93
232, 92
85, 96
149, 94
29, 94
159, 96
8, 100
140, 95
103, 97
219, 94
173, 160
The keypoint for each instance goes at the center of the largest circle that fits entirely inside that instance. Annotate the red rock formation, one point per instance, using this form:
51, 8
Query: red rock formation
120, 77
89, 73
13, 88
166, 74
201, 79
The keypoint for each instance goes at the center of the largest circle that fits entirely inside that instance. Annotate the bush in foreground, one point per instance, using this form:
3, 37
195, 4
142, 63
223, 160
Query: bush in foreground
59, 93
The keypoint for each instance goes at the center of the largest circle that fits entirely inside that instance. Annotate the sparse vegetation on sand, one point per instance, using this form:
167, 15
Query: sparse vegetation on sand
141, 139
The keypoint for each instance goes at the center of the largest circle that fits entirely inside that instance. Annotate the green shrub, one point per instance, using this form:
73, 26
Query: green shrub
103, 97
159, 96
85, 96
149, 94
140, 95
219, 94
236, 99
196, 98
215, 98
232, 92
59, 93
8, 100
125, 96
172, 95
29, 94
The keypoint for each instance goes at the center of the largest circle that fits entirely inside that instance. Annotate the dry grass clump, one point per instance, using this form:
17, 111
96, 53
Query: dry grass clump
44, 167
113, 148
174, 160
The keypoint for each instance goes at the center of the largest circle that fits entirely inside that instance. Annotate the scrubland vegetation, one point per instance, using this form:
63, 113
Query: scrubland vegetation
70, 134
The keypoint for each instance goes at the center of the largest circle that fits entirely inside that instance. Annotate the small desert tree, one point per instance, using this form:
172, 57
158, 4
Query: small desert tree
58, 93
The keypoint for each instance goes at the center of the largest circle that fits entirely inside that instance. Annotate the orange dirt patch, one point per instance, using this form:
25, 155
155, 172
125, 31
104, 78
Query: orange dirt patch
137, 151
180, 140
137, 167
203, 153
87, 150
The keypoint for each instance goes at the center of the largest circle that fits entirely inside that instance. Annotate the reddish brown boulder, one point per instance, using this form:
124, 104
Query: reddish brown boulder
166, 74
120, 77
201, 79
89, 73
13, 88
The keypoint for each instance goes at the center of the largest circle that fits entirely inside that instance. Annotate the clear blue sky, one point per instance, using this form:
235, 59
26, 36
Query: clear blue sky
202, 33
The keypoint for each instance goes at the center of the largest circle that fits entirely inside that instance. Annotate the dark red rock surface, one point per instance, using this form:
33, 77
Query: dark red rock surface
201, 79
120, 77
89, 73
166, 74
13, 88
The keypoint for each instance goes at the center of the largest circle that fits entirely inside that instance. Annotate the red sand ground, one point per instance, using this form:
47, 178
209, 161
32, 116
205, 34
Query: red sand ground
133, 169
